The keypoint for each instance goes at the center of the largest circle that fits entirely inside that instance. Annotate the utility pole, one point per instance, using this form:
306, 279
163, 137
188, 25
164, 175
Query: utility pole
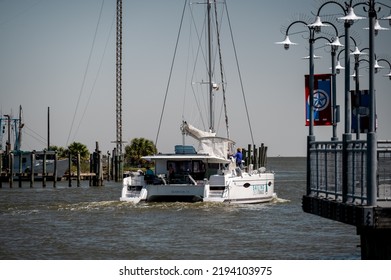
48, 128
119, 156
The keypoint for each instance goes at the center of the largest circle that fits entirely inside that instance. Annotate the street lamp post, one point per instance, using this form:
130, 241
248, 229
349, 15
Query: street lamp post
371, 135
356, 76
312, 28
348, 18
334, 47
335, 44
357, 53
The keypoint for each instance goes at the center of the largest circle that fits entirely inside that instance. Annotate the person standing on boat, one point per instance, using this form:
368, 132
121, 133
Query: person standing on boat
149, 176
149, 171
239, 158
171, 172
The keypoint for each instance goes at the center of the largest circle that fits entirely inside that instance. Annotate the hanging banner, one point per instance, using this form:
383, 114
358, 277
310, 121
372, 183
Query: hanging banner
360, 111
322, 100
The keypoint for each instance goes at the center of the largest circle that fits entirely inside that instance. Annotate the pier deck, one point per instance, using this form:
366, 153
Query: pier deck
337, 190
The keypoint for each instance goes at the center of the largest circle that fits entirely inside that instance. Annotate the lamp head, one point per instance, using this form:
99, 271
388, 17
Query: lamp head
314, 57
357, 52
351, 16
377, 27
355, 76
389, 19
317, 25
377, 66
388, 75
335, 43
339, 67
287, 43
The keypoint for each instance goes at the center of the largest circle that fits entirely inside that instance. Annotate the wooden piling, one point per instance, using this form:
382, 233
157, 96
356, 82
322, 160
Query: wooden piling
262, 155
44, 170
97, 166
90, 181
1, 169
78, 170
255, 153
69, 169
32, 159
249, 154
11, 169
55, 170
108, 177
19, 153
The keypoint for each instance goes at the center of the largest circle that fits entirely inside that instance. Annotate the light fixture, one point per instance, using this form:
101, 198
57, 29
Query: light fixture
377, 27
389, 19
388, 75
351, 16
314, 56
339, 67
377, 66
317, 25
335, 43
287, 42
354, 75
357, 52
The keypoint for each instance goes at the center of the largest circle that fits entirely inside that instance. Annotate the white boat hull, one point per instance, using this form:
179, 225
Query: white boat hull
136, 190
244, 188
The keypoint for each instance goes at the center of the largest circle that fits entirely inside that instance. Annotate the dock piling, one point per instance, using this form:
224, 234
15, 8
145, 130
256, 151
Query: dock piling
32, 158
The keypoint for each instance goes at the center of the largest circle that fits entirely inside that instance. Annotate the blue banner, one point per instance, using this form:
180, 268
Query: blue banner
322, 99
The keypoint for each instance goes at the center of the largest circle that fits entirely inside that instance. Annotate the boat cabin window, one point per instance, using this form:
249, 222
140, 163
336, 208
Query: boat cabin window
194, 168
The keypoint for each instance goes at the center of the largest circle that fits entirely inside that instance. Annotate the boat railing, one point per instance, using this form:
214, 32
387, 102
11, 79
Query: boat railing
182, 178
192, 180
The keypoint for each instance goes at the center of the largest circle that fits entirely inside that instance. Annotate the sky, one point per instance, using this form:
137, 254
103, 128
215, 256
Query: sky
61, 55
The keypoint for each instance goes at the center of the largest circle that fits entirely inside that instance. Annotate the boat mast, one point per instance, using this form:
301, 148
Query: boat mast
211, 116
221, 71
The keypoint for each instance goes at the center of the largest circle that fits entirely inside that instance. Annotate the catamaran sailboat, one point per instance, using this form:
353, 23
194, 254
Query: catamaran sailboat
207, 174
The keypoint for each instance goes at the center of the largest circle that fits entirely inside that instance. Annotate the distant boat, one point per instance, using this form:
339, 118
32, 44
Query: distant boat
22, 160
51, 165
208, 174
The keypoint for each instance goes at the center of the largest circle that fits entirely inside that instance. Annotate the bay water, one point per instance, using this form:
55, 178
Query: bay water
90, 223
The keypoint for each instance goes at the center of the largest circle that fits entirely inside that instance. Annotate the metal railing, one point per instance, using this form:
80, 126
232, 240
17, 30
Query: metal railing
327, 178
384, 170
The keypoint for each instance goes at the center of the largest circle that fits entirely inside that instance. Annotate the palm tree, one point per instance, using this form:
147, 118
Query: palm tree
61, 152
138, 148
77, 147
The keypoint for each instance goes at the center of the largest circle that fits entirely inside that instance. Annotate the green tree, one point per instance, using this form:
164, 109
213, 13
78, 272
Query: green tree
138, 148
61, 152
77, 147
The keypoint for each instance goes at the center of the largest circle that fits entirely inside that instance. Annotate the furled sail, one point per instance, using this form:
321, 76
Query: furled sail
209, 143
195, 132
